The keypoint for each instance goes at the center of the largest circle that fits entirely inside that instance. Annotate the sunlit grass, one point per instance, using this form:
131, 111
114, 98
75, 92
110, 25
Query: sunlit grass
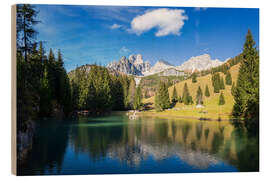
212, 109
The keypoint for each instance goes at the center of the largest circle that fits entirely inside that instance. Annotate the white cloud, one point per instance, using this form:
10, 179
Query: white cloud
124, 50
167, 21
200, 8
115, 26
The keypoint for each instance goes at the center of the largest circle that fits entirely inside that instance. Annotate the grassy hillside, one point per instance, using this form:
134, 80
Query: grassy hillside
212, 109
150, 83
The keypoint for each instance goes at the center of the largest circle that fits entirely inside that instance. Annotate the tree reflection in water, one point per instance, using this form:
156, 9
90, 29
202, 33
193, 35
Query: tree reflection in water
196, 144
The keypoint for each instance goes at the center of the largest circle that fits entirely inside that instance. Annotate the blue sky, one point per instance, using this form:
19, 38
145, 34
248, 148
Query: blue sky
101, 34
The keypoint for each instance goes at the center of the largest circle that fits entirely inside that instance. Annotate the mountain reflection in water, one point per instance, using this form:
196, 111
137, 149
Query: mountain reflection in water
114, 144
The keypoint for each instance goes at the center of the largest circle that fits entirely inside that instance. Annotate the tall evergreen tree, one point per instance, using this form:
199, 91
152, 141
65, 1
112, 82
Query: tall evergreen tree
221, 99
186, 98
162, 99
25, 21
174, 95
207, 93
199, 96
131, 92
228, 78
233, 89
216, 82
222, 85
45, 99
125, 84
157, 102
164, 96
194, 78
138, 98
246, 93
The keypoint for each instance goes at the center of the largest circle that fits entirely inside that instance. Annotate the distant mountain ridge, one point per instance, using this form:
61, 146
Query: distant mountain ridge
199, 63
135, 65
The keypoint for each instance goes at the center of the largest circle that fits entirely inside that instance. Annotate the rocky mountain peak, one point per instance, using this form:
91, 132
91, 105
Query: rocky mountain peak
139, 59
199, 63
133, 65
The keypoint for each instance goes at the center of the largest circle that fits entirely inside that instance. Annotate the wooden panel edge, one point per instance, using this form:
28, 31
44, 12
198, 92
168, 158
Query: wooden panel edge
13, 93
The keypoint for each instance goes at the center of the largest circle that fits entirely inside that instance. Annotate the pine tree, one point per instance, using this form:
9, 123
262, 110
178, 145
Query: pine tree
174, 95
194, 78
190, 100
60, 59
221, 99
45, 99
164, 96
162, 99
222, 85
246, 94
199, 96
228, 78
125, 84
157, 102
25, 20
216, 82
207, 93
131, 93
186, 97
138, 98
233, 89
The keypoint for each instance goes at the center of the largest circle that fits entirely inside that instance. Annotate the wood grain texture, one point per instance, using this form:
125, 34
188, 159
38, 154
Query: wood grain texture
13, 92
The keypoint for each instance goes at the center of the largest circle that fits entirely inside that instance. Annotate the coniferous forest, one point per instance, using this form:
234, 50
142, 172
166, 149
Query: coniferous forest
44, 88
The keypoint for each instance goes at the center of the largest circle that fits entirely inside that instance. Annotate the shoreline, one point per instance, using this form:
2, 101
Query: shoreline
158, 114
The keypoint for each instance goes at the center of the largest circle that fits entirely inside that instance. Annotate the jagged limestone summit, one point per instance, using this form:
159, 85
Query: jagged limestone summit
135, 65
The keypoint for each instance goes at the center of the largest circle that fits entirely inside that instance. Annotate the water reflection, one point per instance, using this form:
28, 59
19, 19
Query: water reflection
115, 144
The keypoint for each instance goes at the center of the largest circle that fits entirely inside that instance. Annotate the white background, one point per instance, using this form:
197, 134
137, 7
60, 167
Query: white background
5, 86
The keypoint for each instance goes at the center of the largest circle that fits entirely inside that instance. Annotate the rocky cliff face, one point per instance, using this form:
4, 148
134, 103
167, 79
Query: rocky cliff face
134, 65
160, 66
199, 63
171, 72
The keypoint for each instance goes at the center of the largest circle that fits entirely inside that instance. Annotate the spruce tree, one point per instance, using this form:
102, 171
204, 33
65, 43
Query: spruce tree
131, 92
216, 82
221, 99
222, 85
228, 78
162, 99
207, 93
246, 94
157, 102
194, 78
25, 21
233, 89
190, 100
174, 95
46, 99
138, 98
199, 96
186, 97
164, 96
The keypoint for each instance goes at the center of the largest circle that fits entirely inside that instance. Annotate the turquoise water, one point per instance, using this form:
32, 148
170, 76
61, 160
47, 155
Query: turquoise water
115, 144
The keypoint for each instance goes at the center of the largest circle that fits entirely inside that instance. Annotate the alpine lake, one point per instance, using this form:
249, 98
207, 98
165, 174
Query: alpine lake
114, 144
